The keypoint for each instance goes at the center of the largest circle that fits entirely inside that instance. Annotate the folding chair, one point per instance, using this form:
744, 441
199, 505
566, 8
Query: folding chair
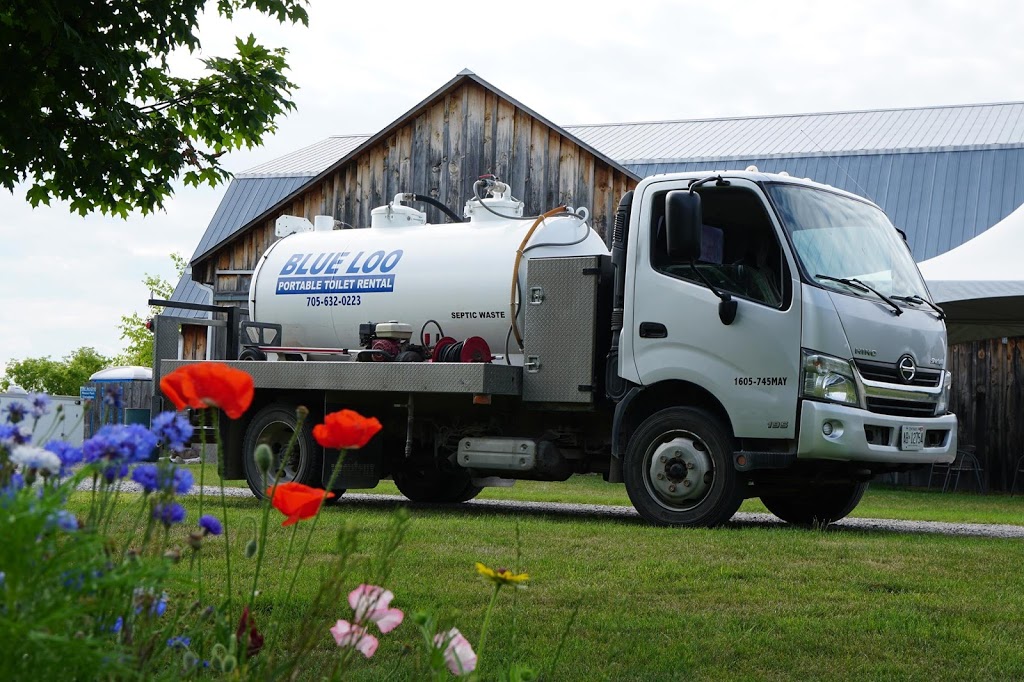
1018, 471
965, 461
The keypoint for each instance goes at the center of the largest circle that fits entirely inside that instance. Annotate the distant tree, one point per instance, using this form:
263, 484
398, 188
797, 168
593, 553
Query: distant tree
90, 111
56, 377
134, 330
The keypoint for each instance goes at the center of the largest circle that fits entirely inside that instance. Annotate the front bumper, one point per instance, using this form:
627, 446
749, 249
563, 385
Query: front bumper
859, 435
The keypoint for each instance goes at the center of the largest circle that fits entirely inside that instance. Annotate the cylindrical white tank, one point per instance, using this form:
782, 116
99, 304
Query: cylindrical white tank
321, 285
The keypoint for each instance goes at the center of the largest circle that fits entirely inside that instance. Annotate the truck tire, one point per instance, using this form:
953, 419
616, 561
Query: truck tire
274, 425
816, 505
427, 482
678, 469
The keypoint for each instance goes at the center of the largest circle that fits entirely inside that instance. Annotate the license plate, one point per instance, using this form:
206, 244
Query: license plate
912, 438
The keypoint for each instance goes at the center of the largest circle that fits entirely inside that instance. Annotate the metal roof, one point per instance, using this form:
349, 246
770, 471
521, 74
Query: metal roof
943, 174
308, 161
246, 198
943, 128
187, 291
940, 199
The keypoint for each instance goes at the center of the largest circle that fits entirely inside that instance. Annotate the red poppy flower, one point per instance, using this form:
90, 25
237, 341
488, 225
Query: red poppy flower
346, 429
296, 501
206, 384
255, 638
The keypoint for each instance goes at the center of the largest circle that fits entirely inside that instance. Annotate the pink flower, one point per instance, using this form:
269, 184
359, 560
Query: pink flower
347, 634
371, 604
458, 654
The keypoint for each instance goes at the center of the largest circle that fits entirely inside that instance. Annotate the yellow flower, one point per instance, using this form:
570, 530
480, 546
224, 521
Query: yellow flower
502, 576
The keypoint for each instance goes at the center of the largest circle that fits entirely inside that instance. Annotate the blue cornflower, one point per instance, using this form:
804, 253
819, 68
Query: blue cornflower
182, 480
146, 475
68, 453
16, 411
153, 478
118, 624
119, 442
173, 430
210, 525
3, 579
16, 483
40, 404
112, 396
65, 520
181, 642
169, 513
114, 472
14, 434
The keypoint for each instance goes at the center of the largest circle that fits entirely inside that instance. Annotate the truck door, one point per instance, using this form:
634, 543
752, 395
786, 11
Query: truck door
751, 365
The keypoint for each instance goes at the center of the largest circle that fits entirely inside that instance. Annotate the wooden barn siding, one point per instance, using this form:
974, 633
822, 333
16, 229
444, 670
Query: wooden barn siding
988, 398
193, 342
441, 153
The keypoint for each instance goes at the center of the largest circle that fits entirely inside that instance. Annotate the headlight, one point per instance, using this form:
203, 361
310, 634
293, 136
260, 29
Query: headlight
828, 378
943, 404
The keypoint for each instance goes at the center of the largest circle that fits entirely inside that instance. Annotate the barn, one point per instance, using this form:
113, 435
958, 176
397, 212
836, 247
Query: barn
943, 175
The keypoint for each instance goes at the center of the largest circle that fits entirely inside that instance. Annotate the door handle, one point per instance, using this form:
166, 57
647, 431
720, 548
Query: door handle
653, 330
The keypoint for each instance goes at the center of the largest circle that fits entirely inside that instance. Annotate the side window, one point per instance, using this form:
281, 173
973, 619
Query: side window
740, 252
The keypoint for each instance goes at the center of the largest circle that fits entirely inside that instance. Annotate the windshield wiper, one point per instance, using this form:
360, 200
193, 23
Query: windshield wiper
855, 283
914, 298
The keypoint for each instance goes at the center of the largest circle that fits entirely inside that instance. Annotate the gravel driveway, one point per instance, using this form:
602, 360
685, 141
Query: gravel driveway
599, 511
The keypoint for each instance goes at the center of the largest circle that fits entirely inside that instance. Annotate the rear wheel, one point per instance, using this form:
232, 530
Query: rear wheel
430, 481
816, 504
275, 425
678, 469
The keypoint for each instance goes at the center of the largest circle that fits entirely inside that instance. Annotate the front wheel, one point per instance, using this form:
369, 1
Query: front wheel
678, 469
816, 504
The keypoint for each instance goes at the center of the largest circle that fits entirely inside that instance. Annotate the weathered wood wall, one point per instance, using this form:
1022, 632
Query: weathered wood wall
988, 398
193, 345
441, 151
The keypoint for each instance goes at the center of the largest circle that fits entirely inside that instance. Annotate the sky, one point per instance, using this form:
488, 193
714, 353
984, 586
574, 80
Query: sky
65, 280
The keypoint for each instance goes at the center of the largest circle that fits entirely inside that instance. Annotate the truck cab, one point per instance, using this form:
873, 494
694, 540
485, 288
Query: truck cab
789, 315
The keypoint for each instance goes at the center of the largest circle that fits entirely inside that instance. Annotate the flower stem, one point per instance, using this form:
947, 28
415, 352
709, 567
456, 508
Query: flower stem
202, 471
312, 526
487, 621
223, 504
262, 537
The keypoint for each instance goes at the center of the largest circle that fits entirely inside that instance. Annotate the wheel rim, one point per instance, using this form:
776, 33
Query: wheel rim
277, 435
678, 471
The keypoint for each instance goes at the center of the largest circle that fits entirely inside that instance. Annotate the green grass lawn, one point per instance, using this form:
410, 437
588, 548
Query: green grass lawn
667, 604
880, 502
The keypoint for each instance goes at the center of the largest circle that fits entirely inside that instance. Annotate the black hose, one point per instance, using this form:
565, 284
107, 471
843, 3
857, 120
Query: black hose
456, 218
440, 331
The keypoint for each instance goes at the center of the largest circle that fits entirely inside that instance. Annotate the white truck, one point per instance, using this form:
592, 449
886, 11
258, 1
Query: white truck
741, 334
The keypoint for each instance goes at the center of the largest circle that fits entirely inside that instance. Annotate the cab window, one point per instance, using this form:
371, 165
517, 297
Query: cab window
740, 252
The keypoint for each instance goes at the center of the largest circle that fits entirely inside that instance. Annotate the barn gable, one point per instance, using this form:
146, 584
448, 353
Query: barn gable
439, 148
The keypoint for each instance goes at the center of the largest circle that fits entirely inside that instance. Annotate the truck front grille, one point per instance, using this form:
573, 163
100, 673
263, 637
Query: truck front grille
900, 408
890, 374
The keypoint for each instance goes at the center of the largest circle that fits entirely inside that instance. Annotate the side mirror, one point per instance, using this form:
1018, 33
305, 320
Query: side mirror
683, 225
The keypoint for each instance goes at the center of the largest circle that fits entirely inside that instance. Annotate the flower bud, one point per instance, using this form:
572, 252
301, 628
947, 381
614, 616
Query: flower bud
195, 539
173, 555
250, 549
301, 412
264, 458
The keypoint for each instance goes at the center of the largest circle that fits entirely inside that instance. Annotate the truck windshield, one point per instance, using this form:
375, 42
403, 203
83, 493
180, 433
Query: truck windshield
839, 238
